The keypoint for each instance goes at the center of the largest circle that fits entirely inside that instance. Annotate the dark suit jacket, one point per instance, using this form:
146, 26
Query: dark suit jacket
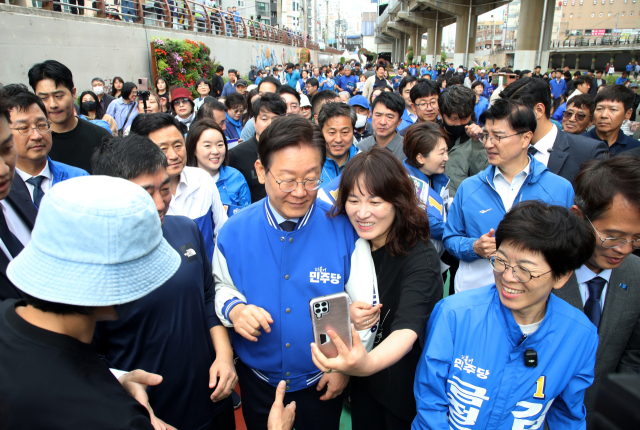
619, 331
217, 84
20, 200
570, 151
107, 101
593, 90
243, 158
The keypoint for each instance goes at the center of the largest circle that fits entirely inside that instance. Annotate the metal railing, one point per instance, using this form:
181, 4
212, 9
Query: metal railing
596, 41
186, 15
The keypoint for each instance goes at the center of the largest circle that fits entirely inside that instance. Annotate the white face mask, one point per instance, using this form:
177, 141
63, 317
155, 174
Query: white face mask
362, 120
98, 90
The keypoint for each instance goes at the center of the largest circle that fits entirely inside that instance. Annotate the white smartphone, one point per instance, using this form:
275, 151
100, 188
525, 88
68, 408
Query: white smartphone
331, 312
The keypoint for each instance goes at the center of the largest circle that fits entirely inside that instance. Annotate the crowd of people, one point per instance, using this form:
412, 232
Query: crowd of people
159, 248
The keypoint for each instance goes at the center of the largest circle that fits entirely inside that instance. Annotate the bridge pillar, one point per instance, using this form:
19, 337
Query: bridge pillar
431, 46
593, 61
462, 37
529, 26
577, 61
564, 61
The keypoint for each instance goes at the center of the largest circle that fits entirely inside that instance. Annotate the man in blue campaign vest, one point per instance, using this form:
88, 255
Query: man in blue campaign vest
336, 120
481, 201
270, 260
35, 171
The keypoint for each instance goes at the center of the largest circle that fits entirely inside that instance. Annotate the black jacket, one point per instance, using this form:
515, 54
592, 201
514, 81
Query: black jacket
107, 101
20, 200
217, 84
243, 157
593, 90
569, 151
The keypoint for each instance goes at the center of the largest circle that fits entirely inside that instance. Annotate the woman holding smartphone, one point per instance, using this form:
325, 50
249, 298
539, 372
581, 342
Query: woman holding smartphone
380, 200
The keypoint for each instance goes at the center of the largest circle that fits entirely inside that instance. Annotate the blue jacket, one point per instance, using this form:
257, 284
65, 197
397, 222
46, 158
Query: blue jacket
621, 80
472, 375
348, 83
292, 78
294, 267
477, 208
558, 114
406, 120
228, 89
558, 88
434, 75
331, 170
480, 107
61, 172
233, 187
438, 182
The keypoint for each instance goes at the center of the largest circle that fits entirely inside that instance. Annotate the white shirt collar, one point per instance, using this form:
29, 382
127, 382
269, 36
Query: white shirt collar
543, 145
526, 171
46, 172
584, 274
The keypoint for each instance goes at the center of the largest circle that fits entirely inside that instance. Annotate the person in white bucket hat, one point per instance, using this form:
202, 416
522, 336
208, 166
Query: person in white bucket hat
96, 248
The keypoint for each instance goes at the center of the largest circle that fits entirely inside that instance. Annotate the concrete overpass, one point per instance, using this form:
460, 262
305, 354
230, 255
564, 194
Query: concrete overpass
404, 21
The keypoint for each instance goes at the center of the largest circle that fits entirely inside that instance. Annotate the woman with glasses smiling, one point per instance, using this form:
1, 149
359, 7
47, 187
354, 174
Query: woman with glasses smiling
183, 106
511, 355
123, 109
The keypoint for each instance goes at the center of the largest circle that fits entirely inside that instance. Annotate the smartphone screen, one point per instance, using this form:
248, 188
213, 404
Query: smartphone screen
143, 84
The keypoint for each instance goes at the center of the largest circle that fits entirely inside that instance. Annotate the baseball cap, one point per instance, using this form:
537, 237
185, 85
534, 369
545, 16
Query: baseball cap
359, 101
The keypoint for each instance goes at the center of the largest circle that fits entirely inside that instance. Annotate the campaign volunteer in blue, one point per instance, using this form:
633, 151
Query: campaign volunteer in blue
482, 200
207, 149
173, 331
379, 198
302, 254
336, 121
512, 355
193, 193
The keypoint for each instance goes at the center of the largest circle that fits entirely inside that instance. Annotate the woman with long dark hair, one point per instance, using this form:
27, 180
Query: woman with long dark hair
207, 149
380, 200
116, 86
162, 89
251, 96
91, 109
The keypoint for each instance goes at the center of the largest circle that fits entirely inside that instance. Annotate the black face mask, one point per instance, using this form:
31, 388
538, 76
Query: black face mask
455, 131
89, 106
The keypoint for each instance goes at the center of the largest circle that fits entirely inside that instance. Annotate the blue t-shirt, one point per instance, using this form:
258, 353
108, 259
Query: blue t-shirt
348, 83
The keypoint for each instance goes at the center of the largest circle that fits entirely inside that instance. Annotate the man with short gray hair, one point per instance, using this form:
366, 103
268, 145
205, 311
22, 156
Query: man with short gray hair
99, 89
348, 82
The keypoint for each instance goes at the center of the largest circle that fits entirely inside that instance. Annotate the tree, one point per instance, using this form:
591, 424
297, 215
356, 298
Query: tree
443, 56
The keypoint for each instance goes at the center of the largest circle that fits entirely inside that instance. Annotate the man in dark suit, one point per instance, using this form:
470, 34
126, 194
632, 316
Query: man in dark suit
596, 83
561, 152
15, 203
217, 83
607, 287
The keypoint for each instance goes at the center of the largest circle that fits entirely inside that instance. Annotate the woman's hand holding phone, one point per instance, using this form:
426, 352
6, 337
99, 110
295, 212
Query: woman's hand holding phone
354, 362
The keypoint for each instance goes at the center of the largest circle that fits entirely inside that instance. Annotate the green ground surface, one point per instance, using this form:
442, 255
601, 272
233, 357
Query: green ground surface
345, 419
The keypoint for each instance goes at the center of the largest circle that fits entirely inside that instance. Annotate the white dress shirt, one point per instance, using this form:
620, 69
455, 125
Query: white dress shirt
279, 218
544, 144
16, 225
584, 275
46, 182
509, 191
573, 94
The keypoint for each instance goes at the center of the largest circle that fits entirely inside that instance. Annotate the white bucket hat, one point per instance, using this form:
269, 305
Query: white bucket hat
97, 241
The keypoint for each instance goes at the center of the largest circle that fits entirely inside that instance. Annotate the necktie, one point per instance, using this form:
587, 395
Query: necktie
287, 225
10, 241
38, 194
592, 307
532, 150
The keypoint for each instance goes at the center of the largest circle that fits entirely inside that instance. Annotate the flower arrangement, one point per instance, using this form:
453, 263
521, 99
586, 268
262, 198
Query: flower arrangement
183, 62
305, 55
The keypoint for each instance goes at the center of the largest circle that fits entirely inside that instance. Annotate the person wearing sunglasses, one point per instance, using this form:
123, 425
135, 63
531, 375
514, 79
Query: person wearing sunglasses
578, 116
483, 200
606, 287
512, 355
183, 106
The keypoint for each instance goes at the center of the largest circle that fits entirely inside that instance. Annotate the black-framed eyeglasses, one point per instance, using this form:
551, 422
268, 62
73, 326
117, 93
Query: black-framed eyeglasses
521, 273
42, 127
614, 242
484, 136
579, 115
289, 185
426, 105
